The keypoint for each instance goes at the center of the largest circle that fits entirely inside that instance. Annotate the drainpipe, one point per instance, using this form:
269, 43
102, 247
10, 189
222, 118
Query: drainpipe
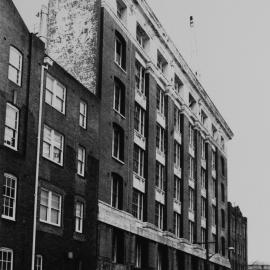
46, 63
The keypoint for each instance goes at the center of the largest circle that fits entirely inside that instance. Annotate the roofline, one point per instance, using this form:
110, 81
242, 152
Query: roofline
184, 66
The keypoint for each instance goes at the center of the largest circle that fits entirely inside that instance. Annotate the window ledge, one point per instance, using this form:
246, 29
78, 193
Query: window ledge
118, 160
120, 67
11, 147
59, 164
8, 218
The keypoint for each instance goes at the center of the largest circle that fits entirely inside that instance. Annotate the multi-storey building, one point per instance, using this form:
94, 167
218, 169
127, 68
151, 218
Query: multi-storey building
237, 235
68, 121
163, 173
131, 170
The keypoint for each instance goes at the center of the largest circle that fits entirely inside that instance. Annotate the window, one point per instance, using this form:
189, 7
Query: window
9, 197
160, 100
177, 154
203, 117
191, 199
120, 50
214, 209
191, 168
223, 221
203, 237
11, 127
55, 94
120, 9
39, 262
203, 148
214, 187
15, 66
177, 119
177, 188
203, 178
203, 207
160, 177
160, 260
137, 204
118, 247
222, 192
159, 212
222, 165
213, 160
160, 138
138, 160
119, 96
83, 114
50, 207
191, 102
118, 142
141, 36
222, 143
177, 224
53, 144
81, 161
191, 137
139, 119
138, 254
223, 248
116, 191
161, 62
214, 237
191, 231
177, 84
79, 214
140, 77
6, 259
214, 132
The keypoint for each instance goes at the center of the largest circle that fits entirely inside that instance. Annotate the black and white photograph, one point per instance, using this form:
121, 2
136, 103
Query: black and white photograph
134, 135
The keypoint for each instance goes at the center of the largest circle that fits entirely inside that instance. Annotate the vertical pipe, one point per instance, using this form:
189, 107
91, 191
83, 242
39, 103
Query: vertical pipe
43, 67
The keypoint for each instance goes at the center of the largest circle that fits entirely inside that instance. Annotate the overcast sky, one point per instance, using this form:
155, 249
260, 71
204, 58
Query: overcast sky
233, 56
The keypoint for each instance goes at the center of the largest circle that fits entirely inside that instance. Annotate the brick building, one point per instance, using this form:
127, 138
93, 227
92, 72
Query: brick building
68, 164
237, 235
133, 160
163, 173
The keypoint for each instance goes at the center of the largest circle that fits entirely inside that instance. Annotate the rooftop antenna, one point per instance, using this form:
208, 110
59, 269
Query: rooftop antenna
194, 47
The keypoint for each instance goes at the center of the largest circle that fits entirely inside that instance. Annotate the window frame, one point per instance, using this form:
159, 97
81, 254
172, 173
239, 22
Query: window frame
139, 77
118, 142
139, 119
177, 154
19, 69
116, 191
191, 231
120, 58
203, 207
177, 188
191, 198
39, 262
177, 224
49, 208
160, 95
81, 164
159, 215
160, 176
119, 97
54, 96
160, 138
15, 130
177, 119
191, 168
138, 160
137, 204
83, 115
79, 218
141, 36
52, 146
14, 204
7, 251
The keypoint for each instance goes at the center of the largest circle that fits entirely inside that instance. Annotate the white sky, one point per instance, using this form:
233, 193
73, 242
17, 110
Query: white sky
233, 55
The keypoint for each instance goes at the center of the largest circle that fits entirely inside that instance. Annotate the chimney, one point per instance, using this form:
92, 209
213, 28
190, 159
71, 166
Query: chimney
43, 20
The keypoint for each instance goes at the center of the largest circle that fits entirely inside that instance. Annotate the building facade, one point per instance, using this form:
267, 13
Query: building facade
131, 170
68, 162
237, 234
163, 174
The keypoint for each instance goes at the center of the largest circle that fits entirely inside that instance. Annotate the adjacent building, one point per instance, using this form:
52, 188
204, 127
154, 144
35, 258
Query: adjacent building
257, 265
126, 152
237, 234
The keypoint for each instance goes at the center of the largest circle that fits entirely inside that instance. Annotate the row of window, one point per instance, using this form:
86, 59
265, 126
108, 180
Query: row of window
7, 259
50, 205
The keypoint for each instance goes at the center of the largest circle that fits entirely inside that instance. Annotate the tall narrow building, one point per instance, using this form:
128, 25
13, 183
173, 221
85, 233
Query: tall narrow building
163, 174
